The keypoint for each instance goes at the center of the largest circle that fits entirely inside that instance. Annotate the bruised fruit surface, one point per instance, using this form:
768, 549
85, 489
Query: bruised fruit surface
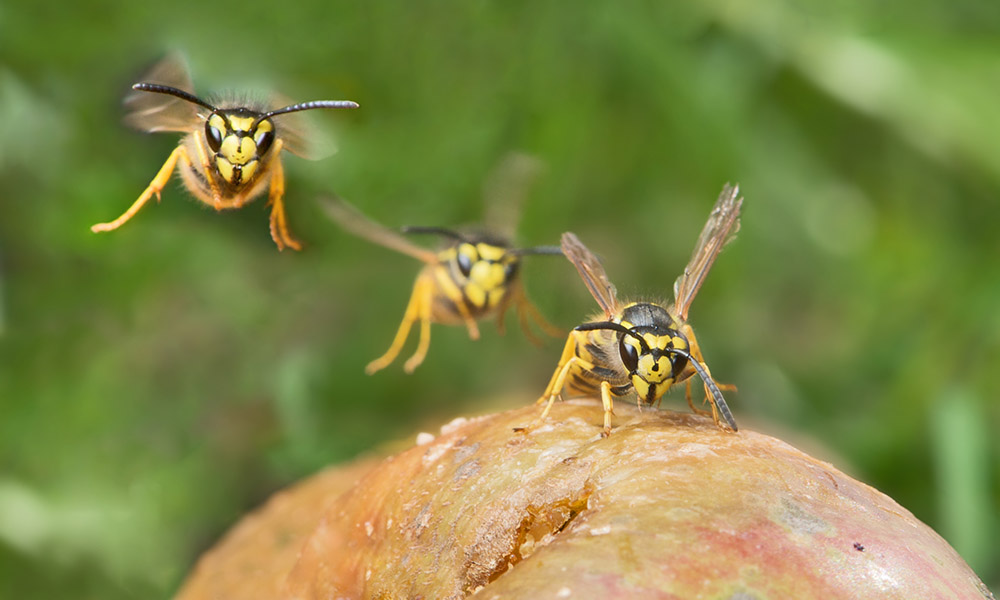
668, 506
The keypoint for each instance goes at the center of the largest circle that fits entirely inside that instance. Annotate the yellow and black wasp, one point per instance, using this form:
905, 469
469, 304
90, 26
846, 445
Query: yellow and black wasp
231, 151
641, 346
474, 276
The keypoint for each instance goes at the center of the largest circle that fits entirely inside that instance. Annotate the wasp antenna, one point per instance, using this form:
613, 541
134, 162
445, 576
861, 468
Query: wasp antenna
713, 388
550, 250
612, 326
441, 231
172, 91
305, 106
310, 106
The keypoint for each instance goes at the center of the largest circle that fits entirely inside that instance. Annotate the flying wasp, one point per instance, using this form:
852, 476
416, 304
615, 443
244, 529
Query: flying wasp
231, 151
473, 276
641, 346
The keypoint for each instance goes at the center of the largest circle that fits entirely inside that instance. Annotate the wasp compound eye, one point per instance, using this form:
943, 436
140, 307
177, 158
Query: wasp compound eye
464, 257
263, 138
510, 270
213, 135
629, 354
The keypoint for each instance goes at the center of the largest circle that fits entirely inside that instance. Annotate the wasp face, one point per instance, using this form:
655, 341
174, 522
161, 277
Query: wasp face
483, 271
240, 140
652, 368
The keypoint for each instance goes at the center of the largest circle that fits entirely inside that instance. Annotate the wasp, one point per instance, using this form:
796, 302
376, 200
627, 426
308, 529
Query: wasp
473, 276
231, 150
642, 346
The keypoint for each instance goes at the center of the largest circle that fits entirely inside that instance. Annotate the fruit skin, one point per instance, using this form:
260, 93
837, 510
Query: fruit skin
668, 506
254, 557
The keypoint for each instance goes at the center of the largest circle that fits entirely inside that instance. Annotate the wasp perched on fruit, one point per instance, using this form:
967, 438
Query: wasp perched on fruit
231, 151
475, 275
641, 346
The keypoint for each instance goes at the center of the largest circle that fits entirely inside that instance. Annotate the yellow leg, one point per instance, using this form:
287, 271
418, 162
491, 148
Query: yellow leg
696, 355
471, 327
729, 425
279, 225
568, 353
687, 395
422, 295
424, 314
558, 380
155, 187
609, 406
690, 372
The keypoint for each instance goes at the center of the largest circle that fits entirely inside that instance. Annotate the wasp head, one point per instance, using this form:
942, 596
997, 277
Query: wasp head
240, 138
651, 357
483, 271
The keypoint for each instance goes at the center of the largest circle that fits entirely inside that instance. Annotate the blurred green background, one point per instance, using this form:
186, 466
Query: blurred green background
159, 381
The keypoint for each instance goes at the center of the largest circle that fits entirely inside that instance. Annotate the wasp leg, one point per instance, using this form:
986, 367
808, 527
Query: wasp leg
470, 324
523, 307
555, 386
424, 314
608, 407
422, 295
154, 187
715, 399
526, 309
279, 225
542, 323
559, 379
505, 302
515, 295
555, 383
532, 311
723, 408
687, 395
709, 396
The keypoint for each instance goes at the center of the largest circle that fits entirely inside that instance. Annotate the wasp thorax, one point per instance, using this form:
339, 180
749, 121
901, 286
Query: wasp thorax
239, 141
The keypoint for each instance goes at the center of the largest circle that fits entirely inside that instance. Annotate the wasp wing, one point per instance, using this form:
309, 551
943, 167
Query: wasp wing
153, 112
721, 228
353, 220
299, 132
592, 273
505, 190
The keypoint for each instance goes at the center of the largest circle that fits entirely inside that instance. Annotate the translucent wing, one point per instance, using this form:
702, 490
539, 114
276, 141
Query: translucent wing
505, 190
299, 132
353, 220
592, 273
721, 228
149, 111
